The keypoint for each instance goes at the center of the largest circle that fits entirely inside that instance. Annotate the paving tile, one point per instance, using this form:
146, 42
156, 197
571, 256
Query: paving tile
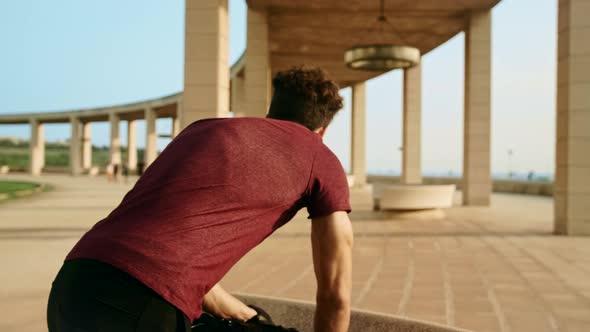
529, 322
570, 313
478, 321
549, 287
428, 292
470, 291
440, 319
470, 305
577, 326
528, 283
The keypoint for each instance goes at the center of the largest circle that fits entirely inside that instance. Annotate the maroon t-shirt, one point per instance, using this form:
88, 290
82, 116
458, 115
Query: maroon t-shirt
217, 190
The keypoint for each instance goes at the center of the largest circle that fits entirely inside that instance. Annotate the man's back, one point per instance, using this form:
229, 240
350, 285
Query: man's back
217, 190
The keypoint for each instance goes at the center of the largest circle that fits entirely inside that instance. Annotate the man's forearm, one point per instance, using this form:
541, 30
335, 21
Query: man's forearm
331, 316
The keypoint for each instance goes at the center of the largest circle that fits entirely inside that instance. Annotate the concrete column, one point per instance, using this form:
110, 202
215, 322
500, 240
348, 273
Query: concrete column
176, 120
151, 140
132, 145
477, 183
75, 146
412, 122
86, 146
206, 71
42, 150
37, 145
257, 71
115, 146
175, 126
238, 96
572, 169
358, 144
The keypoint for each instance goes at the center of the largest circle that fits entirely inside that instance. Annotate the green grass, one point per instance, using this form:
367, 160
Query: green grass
17, 157
8, 187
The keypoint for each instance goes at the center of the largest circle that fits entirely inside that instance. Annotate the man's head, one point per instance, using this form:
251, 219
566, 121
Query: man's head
305, 96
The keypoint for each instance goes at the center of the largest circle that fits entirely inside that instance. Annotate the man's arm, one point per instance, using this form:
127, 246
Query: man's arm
332, 238
222, 304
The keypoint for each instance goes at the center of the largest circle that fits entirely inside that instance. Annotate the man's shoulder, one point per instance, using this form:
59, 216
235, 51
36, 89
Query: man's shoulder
270, 126
263, 130
271, 123
324, 152
251, 121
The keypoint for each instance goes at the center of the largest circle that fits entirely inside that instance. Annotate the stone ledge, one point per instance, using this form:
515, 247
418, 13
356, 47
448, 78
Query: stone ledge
299, 314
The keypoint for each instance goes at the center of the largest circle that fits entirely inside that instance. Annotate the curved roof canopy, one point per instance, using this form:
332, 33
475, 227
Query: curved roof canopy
317, 33
164, 107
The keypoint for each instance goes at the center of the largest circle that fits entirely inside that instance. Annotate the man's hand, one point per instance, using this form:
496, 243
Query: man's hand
222, 304
332, 238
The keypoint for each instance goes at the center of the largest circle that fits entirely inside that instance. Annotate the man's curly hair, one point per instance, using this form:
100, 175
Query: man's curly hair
305, 96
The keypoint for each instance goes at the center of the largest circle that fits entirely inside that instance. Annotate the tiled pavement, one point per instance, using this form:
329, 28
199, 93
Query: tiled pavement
485, 269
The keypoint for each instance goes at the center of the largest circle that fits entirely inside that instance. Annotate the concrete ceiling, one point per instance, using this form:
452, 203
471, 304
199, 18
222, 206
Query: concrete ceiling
316, 33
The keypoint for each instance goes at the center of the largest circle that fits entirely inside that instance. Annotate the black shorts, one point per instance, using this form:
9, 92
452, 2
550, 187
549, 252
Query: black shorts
88, 295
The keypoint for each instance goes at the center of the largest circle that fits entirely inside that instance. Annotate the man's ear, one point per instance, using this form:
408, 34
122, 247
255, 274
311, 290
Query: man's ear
321, 131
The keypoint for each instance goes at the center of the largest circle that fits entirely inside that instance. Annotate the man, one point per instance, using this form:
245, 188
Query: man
218, 190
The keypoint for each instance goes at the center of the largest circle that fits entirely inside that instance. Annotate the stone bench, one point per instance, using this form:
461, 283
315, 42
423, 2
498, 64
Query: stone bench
299, 314
361, 196
417, 197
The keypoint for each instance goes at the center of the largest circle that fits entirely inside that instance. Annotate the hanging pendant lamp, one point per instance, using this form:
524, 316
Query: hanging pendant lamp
381, 56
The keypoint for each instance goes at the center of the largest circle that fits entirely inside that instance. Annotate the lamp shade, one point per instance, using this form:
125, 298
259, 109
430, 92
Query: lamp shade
381, 57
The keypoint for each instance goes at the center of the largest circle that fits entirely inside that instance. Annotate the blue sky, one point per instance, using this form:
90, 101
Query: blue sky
66, 54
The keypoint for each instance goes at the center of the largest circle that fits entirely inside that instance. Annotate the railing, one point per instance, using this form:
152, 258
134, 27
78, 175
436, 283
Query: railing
502, 186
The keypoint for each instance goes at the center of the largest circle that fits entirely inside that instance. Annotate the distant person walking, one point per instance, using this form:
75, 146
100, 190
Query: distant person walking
218, 190
110, 171
125, 172
116, 172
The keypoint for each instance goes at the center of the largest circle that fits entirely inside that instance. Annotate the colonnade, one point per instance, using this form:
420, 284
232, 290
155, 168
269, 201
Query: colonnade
81, 143
251, 92
207, 94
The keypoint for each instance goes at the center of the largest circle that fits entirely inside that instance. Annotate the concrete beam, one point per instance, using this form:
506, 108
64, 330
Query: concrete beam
89, 115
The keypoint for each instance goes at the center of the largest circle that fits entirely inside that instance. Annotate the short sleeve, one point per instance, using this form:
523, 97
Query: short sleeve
328, 187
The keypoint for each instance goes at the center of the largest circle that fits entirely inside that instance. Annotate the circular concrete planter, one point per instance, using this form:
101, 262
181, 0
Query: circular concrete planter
299, 315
